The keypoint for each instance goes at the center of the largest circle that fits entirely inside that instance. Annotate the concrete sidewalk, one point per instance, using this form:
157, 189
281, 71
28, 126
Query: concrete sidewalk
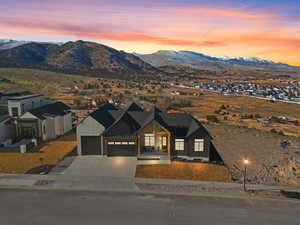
96, 183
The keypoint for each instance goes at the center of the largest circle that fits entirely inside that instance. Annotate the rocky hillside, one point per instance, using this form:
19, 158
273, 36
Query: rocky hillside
79, 57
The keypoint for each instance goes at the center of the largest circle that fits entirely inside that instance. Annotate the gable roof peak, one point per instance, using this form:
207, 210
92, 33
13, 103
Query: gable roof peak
133, 107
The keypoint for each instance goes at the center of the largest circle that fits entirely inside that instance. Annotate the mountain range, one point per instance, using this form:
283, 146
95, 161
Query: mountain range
89, 58
197, 60
78, 57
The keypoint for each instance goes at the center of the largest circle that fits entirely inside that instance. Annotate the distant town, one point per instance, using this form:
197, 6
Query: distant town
288, 92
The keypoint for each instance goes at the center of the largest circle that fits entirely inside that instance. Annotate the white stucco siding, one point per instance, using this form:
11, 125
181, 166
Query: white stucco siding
88, 127
59, 125
67, 122
49, 133
25, 105
28, 115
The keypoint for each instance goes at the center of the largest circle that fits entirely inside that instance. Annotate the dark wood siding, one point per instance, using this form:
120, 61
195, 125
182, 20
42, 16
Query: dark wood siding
121, 150
91, 145
190, 145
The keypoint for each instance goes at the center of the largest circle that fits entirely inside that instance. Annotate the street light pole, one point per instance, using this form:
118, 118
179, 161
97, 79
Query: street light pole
246, 162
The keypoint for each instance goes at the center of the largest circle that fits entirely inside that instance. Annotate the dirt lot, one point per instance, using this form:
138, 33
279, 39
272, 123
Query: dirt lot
49, 154
184, 171
269, 161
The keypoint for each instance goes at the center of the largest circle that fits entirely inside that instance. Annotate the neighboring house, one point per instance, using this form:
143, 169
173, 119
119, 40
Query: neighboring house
33, 116
19, 105
134, 132
45, 123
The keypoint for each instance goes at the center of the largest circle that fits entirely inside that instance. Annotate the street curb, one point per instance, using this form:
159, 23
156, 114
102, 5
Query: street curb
145, 192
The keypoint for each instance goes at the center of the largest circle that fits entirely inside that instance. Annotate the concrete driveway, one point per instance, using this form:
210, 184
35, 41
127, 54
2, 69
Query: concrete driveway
123, 167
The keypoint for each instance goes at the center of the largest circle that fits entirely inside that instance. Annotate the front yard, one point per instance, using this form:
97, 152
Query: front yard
49, 154
185, 171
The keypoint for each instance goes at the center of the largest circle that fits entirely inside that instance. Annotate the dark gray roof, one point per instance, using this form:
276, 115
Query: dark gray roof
134, 108
140, 116
124, 126
105, 115
51, 110
179, 124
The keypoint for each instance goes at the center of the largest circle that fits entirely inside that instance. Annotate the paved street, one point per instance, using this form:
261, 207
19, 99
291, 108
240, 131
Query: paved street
93, 208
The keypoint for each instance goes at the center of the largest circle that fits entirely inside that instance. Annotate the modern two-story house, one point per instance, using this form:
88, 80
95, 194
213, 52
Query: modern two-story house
32, 116
134, 132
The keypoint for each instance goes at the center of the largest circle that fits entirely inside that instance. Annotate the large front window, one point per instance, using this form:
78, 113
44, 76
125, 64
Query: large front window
179, 144
149, 140
199, 145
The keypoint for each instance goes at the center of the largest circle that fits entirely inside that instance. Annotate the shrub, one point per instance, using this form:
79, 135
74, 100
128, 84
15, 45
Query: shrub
257, 116
273, 131
218, 111
222, 107
212, 118
279, 132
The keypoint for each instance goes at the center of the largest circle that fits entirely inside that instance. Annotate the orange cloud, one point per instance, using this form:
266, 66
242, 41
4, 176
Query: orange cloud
238, 13
80, 31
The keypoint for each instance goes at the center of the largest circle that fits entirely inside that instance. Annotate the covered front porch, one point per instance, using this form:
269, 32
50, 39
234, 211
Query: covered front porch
154, 141
28, 128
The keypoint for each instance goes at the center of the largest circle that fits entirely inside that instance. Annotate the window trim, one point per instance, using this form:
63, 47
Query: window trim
198, 145
149, 140
179, 142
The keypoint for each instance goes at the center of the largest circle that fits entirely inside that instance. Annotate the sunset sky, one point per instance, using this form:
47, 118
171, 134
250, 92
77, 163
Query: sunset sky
268, 29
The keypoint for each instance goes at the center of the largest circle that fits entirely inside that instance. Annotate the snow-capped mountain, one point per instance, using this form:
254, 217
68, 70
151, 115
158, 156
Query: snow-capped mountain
198, 60
8, 43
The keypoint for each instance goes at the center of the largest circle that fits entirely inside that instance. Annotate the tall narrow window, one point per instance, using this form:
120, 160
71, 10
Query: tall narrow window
149, 140
164, 141
179, 144
199, 145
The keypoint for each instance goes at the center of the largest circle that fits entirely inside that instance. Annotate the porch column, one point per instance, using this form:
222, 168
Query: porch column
169, 144
139, 144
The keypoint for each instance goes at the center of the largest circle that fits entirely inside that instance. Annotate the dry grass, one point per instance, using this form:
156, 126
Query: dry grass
242, 105
34, 80
184, 171
49, 154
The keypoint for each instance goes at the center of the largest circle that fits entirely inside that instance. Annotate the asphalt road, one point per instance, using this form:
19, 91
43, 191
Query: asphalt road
23, 207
